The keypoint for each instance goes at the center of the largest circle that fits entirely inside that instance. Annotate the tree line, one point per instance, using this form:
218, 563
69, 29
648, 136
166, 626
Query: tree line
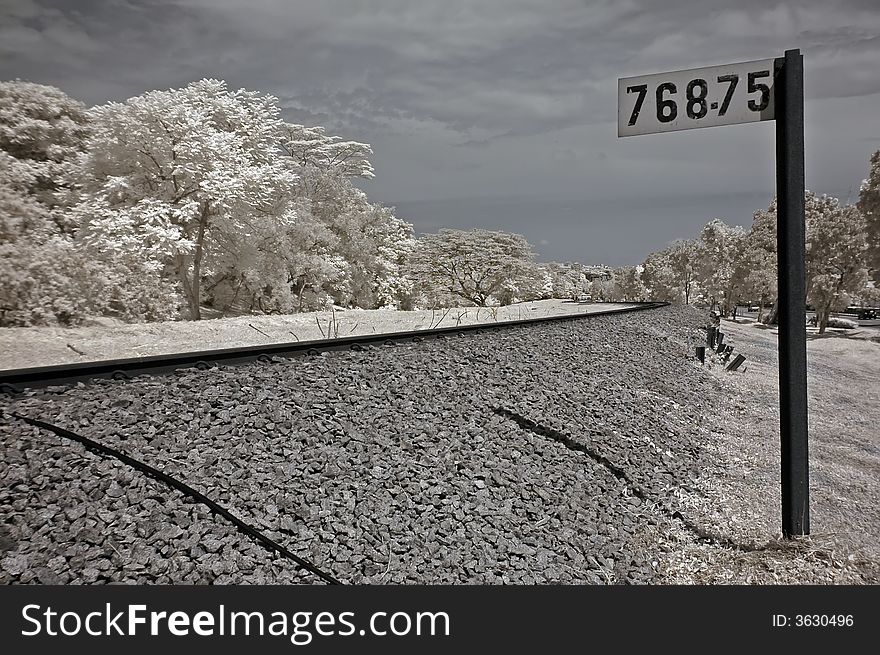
727, 265
178, 203
202, 201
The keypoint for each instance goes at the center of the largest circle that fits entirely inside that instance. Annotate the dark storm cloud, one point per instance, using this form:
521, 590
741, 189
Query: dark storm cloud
462, 99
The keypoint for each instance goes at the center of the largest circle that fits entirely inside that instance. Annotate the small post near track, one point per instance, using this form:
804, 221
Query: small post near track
748, 92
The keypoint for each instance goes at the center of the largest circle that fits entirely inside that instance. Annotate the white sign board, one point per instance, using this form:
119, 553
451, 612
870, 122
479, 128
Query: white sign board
700, 97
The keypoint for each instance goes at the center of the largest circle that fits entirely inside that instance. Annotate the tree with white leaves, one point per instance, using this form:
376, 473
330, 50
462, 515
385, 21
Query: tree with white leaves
478, 266
756, 265
603, 289
568, 280
375, 245
359, 247
339, 248
669, 275
719, 247
44, 130
837, 256
41, 279
546, 288
321, 161
869, 205
171, 177
628, 283
44, 279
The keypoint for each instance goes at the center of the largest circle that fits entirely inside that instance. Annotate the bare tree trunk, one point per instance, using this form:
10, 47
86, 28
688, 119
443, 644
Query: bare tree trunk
823, 315
181, 266
195, 286
230, 304
763, 299
773, 316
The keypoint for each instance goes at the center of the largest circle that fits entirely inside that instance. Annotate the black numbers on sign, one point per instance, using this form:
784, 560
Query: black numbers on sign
762, 104
642, 90
731, 81
698, 100
667, 110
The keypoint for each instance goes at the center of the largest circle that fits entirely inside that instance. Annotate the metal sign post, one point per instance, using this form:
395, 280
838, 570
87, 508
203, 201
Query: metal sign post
790, 248
767, 89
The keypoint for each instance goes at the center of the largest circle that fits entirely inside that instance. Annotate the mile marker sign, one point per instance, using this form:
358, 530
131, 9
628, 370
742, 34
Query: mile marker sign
700, 97
767, 89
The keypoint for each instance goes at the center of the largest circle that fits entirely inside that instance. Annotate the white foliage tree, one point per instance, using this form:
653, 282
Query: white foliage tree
358, 259
627, 283
322, 161
669, 274
375, 245
567, 280
836, 254
869, 205
719, 247
275, 273
44, 279
173, 176
756, 266
477, 266
836, 257
44, 130
546, 290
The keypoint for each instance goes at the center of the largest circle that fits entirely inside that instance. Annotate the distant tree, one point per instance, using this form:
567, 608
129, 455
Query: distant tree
172, 176
44, 279
669, 274
837, 257
869, 205
529, 285
756, 266
44, 130
474, 265
546, 282
323, 161
374, 245
718, 249
567, 281
628, 283
682, 255
603, 289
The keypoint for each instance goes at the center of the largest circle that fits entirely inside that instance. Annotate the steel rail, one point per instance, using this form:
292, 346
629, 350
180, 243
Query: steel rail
16, 380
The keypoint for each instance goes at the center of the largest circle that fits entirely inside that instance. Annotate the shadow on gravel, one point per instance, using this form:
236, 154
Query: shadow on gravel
704, 535
185, 489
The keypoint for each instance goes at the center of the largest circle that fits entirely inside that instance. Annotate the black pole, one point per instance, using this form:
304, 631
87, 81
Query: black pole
789, 98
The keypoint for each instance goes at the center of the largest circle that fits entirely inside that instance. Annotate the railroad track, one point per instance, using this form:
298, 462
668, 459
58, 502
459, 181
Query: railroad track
16, 380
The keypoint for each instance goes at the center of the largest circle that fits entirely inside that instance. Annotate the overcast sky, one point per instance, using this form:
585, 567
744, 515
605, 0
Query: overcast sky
499, 114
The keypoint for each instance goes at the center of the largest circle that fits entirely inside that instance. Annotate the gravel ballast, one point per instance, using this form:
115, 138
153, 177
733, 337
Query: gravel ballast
554, 453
